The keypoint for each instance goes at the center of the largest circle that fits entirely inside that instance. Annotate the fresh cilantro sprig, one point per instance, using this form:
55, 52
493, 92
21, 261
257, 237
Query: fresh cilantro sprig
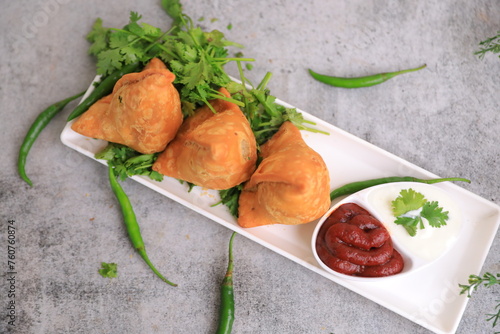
109, 270
174, 9
488, 280
196, 57
128, 162
410, 200
261, 109
434, 214
115, 48
229, 197
491, 44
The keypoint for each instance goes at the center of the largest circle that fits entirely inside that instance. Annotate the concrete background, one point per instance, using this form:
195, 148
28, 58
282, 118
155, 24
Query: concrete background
445, 119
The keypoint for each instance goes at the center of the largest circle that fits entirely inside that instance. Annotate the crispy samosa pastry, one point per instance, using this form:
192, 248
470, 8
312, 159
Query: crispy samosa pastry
291, 185
143, 111
212, 150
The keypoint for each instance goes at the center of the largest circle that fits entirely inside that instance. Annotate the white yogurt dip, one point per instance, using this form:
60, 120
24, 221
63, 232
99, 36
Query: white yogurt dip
429, 243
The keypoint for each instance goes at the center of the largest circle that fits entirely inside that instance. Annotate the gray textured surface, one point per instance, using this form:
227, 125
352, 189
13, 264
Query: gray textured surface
445, 119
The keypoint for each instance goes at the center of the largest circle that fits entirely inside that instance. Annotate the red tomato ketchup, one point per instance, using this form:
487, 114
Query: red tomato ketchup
353, 242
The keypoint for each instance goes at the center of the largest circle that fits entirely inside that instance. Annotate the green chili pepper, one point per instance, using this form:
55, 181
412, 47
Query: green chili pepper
358, 82
105, 87
226, 309
130, 220
36, 128
353, 187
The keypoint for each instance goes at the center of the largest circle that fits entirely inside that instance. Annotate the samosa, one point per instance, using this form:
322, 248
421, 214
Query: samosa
290, 186
212, 150
143, 111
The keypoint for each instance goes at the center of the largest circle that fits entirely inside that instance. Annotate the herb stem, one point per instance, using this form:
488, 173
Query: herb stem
242, 76
152, 42
263, 84
226, 60
306, 128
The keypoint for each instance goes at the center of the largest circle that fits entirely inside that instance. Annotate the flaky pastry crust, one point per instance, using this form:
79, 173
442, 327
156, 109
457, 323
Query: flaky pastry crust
143, 111
211, 150
290, 186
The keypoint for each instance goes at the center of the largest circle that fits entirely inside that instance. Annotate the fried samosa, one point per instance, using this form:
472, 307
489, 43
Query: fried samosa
143, 111
212, 150
290, 186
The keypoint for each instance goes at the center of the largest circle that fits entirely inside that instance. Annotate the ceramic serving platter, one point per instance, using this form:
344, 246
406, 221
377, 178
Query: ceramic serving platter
434, 299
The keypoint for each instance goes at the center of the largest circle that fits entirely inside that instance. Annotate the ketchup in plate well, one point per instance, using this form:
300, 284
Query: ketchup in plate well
353, 242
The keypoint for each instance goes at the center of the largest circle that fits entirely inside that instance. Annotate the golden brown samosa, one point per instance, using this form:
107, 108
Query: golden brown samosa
211, 150
143, 111
290, 186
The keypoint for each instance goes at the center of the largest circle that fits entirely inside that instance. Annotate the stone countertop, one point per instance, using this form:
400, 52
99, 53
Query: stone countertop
445, 119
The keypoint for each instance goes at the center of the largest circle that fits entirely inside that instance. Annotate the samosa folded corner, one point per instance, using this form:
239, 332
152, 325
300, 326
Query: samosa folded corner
290, 186
143, 112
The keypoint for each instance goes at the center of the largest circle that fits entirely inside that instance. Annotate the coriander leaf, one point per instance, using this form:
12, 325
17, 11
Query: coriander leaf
409, 223
155, 176
108, 270
134, 17
188, 108
176, 66
131, 54
173, 8
229, 197
434, 214
215, 38
189, 185
135, 29
193, 36
195, 74
108, 61
267, 102
108, 153
119, 39
151, 31
128, 162
408, 200
187, 53
98, 36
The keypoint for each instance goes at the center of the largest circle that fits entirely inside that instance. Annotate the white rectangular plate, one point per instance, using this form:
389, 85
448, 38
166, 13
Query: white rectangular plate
434, 299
